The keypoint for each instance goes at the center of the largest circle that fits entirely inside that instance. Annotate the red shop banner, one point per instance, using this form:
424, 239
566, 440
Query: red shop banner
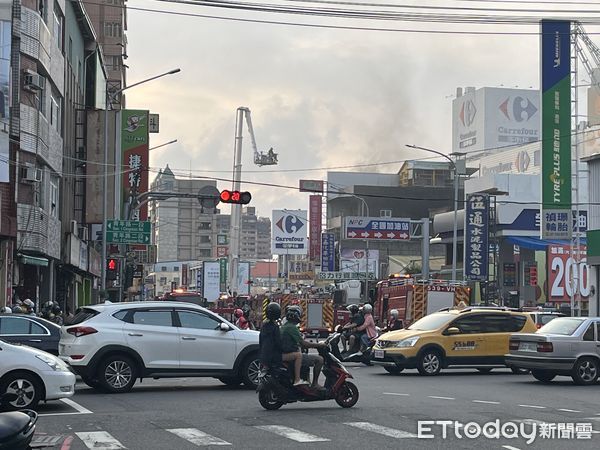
564, 276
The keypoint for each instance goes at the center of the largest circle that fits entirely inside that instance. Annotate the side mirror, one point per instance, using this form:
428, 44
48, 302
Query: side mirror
224, 327
452, 330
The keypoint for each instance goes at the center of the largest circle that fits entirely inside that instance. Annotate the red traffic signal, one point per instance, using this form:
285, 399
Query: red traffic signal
241, 198
111, 264
112, 267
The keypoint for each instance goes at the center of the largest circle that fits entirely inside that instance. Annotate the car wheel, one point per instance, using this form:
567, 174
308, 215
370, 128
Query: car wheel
430, 363
394, 370
519, 371
484, 369
250, 370
585, 371
26, 387
117, 374
544, 376
230, 381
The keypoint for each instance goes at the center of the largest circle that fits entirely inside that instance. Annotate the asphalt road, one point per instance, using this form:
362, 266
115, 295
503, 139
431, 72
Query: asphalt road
180, 414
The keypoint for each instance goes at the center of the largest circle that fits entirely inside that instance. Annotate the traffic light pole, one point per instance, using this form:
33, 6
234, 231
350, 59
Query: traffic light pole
236, 209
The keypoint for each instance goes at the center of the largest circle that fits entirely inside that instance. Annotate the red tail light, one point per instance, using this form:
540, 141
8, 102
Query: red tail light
545, 347
538, 325
81, 331
513, 345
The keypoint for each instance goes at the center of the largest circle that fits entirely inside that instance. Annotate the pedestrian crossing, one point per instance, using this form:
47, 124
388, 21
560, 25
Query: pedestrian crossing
102, 440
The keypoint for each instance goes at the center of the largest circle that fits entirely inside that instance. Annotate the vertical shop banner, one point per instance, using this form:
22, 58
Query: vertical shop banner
5, 48
200, 280
315, 224
243, 287
564, 277
477, 237
223, 274
184, 275
327, 252
556, 128
134, 147
211, 289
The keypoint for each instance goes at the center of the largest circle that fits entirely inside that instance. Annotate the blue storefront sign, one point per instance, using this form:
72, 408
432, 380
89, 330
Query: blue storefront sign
327, 252
477, 237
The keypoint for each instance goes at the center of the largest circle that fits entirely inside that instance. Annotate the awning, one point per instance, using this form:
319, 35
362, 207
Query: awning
33, 260
534, 243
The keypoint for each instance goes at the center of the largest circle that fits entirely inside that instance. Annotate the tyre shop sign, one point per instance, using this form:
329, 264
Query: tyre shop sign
564, 276
476, 237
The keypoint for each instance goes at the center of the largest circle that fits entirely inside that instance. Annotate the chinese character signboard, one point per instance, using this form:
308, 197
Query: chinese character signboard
199, 279
223, 273
211, 288
128, 232
556, 128
289, 232
563, 275
377, 228
327, 252
476, 237
134, 147
316, 205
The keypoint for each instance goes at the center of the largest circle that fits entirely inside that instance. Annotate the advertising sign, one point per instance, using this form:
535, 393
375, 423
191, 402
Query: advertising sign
211, 281
311, 186
223, 274
344, 276
477, 237
564, 276
352, 260
289, 232
377, 228
134, 147
5, 48
199, 280
243, 287
556, 128
301, 270
184, 275
315, 224
327, 252
222, 251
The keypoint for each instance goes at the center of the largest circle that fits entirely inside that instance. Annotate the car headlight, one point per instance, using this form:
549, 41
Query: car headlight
56, 364
410, 342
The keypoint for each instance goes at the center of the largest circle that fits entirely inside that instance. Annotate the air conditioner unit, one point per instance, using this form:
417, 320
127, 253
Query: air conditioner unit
31, 174
33, 81
83, 233
73, 228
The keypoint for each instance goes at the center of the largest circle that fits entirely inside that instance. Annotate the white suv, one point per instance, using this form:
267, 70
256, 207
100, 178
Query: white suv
111, 345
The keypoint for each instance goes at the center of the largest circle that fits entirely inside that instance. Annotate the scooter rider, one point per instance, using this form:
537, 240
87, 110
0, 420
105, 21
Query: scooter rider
241, 321
394, 323
368, 329
270, 337
356, 321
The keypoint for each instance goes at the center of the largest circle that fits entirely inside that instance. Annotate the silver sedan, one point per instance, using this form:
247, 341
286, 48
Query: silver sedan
567, 346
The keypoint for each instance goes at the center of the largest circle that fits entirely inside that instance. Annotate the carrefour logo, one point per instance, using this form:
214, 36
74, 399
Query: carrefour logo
522, 109
290, 224
467, 113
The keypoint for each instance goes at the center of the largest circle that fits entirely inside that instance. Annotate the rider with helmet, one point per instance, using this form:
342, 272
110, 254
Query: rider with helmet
368, 329
57, 314
29, 307
270, 337
292, 340
356, 320
394, 323
5, 310
241, 321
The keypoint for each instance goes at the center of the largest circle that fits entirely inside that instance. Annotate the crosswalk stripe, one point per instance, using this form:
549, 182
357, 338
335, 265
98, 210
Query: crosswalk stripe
391, 432
197, 437
100, 440
291, 433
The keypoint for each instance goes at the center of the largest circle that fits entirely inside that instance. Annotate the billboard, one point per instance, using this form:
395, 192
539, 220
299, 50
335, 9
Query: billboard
315, 224
211, 288
134, 148
5, 48
327, 252
355, 260
477, 237
312, 186
243, 287
489, 118
563, 275
289, 232
556, 128
377, 228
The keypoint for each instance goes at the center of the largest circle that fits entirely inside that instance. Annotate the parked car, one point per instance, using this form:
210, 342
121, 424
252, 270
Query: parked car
567, 346
33, 375
113, 344
541, 318
30, 330
471, 337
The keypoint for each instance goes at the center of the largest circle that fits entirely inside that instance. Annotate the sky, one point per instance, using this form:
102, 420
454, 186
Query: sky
322, 98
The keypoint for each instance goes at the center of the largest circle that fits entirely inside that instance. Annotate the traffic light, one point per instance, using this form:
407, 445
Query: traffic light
112, 268
241, 198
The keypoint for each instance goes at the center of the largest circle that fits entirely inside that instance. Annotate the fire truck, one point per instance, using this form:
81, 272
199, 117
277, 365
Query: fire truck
415, 299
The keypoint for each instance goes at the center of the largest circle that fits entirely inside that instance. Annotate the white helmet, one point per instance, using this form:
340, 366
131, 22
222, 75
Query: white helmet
367, 309
29, 303
394, 313
5, 310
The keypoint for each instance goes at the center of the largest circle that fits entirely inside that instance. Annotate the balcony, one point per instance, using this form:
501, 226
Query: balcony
37, 231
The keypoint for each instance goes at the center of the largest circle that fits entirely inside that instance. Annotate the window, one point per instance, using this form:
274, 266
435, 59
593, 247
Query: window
53, 199
598, 331
469, 325
58, 29
503, 323
198, 321
121, 315
56, 112
43, 9
163, 268
204, 239
115, 62
176, 269
159, 318
385, 213
589, 333
36, 328
20, 326
82, 316
70, 50
204, 226
204, 253
112, 29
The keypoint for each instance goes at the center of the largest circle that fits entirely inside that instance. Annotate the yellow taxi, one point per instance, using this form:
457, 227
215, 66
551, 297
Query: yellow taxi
469, 337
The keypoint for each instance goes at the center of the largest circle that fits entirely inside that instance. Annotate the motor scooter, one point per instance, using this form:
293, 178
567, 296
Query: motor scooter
16, 427
275, 385
354, 354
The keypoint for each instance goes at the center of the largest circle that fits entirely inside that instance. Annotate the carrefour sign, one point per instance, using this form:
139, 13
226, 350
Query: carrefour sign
290, 229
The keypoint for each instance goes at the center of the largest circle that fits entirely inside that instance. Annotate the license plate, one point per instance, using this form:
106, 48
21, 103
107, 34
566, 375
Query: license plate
379, 354
528, 347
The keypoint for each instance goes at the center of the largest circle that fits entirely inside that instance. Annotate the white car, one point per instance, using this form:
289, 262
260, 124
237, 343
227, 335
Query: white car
33, 375
112, 344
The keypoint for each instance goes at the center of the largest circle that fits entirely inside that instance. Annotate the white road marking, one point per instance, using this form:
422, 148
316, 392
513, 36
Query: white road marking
100, 440
487, 402
76, 406
568, 410
532, 406
396, 393
391, 432
441, 398
197, 437
291, 433
508, 447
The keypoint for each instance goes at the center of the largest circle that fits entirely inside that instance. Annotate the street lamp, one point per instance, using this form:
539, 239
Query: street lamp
163, 145
455, 228
109, 97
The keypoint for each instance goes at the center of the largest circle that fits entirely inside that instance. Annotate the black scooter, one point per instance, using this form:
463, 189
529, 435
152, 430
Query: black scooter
354, 354
275, 387
16, 427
